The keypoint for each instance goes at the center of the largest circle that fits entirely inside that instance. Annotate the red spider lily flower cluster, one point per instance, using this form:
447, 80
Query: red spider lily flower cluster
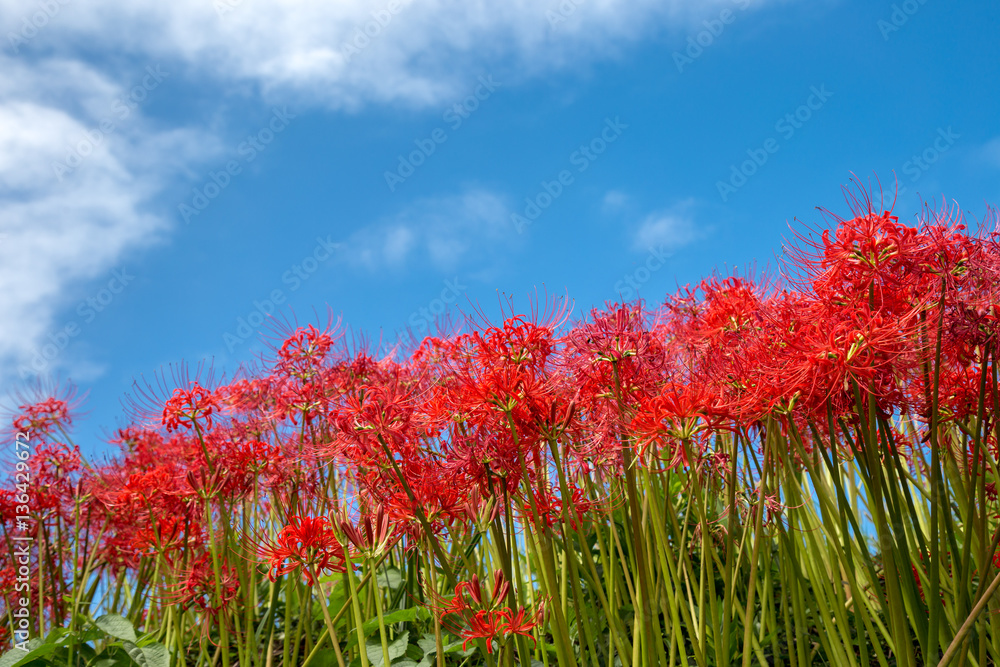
448, 435
44, 417
197, 587
306, 542
551, 509
189, 405
473, 616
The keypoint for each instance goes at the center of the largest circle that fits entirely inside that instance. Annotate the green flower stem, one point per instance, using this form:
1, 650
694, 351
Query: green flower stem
378, 610
355, 605
321, 596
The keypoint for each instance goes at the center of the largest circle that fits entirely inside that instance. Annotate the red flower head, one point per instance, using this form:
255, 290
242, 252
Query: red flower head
197, 586
187, 406
306, 542
492, 621
43, 411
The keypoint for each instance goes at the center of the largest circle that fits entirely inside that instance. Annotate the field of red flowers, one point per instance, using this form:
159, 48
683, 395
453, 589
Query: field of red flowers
788, 469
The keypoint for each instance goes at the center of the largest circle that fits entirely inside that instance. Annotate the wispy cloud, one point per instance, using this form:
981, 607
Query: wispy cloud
77, 173
443, 232
64, 226
345, 53
614, 200
668, 230
991, 151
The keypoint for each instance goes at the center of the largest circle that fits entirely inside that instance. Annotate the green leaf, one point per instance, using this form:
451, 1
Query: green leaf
16, 657
428, 643
456, 647
135, 653
153, 655
397, 648
116, 626
326, 657
156, 655
55, 634
390, 578
414, 652
119, 661
85, 652
398, 616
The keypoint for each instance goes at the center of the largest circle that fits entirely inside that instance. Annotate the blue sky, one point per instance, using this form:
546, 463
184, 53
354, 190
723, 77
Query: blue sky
166, 171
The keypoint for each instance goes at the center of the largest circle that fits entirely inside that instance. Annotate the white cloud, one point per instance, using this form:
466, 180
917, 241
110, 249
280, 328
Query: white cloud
444, 231
614, 200
67, 71
991, 151
667, 230
397, 245
419, 54
64, 224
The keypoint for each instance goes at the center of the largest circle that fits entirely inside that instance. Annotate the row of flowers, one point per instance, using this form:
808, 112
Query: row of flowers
342, 453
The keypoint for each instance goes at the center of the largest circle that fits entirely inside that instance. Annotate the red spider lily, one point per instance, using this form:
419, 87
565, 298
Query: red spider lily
504, 398
372, 536
870, 258
492, 621
549, 505
198, 589
43, 411
306, 542
483, 624
242, 466
676, 416
306, 350
187, 406
481, 509
521, 623
615, 357
716, 311
376, 421
43, 418
460, 604
163, 535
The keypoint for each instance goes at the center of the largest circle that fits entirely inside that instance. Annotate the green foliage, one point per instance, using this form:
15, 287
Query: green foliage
111, 643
